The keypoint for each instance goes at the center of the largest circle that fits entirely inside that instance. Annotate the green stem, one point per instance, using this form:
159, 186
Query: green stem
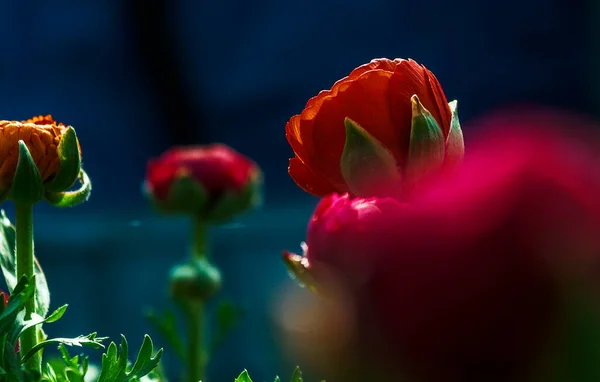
199, 246
25, 266
197, 347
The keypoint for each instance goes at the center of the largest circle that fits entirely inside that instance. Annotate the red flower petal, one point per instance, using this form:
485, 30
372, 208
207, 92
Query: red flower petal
310, 181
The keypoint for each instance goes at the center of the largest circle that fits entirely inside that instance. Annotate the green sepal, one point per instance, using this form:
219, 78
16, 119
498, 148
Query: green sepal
27, 186
455, 144
71, 198
426, 151
235, 202
366, 163
196, 280
186, 196
70, 163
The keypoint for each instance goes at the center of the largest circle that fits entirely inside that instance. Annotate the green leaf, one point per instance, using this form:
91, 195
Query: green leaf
228, 317
297, 375
277, 379
166, 325
67, 368
9, 263
244, 377
57, 314
90, 340
11, 324
50, 374
21, 294
367, 166
27, 186
114, 363
70, 162
36, 319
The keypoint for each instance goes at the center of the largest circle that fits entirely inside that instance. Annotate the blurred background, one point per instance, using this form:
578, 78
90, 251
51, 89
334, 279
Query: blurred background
136, 77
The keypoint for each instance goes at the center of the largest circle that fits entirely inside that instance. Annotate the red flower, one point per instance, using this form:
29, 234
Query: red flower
464, 282
377, 96
197, 179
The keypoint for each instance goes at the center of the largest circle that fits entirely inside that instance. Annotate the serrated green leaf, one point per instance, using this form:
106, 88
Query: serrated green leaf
243, 377
114, 364
145, 363
297, 375
277, 379
90, 340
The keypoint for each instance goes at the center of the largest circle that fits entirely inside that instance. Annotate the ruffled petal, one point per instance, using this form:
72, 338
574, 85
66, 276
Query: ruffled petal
384, 64
310, 181
365, 101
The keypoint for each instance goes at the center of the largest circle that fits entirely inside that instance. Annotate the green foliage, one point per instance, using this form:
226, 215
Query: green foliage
90, 340
9, 270
244, 377
11, 326
115, 366
166, 325
67, 368
296, 376
228, 315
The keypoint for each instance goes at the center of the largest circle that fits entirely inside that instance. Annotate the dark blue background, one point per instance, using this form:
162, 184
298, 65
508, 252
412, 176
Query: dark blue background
135, 77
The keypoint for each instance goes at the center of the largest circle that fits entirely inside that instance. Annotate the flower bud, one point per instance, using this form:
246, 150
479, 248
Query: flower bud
40, 159
195, 281
212, 183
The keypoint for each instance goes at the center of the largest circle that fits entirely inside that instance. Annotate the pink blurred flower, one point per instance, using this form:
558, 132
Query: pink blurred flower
463, 282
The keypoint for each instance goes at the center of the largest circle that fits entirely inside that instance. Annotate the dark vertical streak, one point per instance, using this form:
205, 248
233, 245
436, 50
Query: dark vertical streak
150, 26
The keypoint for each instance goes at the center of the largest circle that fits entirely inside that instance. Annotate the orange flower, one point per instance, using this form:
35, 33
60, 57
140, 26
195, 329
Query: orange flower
377, 96
41, 134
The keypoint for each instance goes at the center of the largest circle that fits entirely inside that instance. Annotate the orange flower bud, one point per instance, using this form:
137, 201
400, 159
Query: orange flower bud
42, 136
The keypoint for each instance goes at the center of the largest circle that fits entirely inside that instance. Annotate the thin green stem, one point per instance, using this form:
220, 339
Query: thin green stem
200, 245
197, 356
25, 266
196, 315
